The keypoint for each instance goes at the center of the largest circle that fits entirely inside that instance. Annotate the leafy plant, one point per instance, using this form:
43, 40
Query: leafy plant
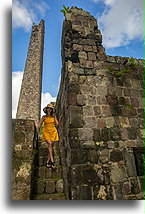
41, 129
121, 73
131, 61
65, 10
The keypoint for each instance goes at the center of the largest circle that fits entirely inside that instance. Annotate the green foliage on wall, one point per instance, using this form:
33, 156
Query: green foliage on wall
65, 10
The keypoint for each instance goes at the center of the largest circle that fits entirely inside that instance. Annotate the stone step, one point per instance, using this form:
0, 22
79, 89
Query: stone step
55, 196
44, 172
54, 185
43, 160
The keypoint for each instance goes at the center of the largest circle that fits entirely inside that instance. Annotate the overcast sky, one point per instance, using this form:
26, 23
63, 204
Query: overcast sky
120, 21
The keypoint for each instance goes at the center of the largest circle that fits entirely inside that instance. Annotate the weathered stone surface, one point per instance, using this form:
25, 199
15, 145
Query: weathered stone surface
116, 155
118, 174
59, 186
29, 104
81, 99
130, 162
50, 186
92, 156
76, 119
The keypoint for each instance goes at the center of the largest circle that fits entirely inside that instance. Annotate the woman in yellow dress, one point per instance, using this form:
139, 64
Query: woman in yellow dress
49, 133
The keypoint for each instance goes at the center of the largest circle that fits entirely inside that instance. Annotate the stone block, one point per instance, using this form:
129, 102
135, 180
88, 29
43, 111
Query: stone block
82, 55
72, 99
74, 138
90, 122
116, 155
105, 135
112, 100
88, 110
104, 156
74, 88
86, 63
87, 144
81, 193
106, 111
78, 156
59, 186
77, 47
97, 135
40, 186
118, 174
41, 172
88, 48
97, 111
88, 176
135, 188
76, 119
110, 122
92, 156
102, 90
115, 134
91, 56
79, 71
81, 99
126, 188
50, 186
90, 71
85, 134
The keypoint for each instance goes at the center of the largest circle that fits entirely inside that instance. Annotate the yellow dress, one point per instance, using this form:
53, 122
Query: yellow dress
49, 131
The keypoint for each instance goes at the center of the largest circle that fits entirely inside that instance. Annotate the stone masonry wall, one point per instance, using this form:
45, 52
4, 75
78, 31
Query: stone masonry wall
24, 149
29, 106
101, 99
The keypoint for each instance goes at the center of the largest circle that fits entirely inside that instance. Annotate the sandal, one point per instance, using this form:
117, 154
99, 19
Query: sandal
48, 164
53, 165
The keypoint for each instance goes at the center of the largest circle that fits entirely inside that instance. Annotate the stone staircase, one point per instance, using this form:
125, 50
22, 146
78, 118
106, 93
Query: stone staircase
48, 183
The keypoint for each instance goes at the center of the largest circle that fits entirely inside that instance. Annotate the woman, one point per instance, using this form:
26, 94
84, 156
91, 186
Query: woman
49, 133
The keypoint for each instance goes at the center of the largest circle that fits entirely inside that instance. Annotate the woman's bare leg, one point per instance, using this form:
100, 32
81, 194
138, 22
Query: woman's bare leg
50, 150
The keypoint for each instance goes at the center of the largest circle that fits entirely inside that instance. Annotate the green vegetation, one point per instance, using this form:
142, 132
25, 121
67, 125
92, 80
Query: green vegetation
131, 61
121, 73
41, 129
65, 10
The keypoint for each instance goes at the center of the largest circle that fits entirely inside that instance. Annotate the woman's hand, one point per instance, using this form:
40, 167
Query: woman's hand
60, 118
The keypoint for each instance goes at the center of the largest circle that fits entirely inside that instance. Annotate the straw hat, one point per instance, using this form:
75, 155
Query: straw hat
48, 106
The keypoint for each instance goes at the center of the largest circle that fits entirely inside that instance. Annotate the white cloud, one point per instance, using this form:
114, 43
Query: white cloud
21, 16
121, 22
24, 13
16, 86
45, 99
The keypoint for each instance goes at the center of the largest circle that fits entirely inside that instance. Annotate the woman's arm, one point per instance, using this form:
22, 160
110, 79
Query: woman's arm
40, 123
56, 121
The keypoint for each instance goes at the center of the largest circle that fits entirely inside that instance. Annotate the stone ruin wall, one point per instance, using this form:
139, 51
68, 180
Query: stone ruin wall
101, 100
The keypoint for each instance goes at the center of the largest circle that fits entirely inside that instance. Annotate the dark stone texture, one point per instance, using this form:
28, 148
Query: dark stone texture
115, 134
76, 119
88, 176
96, 135
74, 139
78, 156
130, 162
111, 100
135, 189
116, 155
81, 193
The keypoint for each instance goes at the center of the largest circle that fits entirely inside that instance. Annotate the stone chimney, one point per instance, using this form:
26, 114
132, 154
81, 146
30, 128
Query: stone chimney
29, 105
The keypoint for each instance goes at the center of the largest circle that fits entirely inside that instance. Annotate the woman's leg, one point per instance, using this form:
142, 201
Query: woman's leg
50, 150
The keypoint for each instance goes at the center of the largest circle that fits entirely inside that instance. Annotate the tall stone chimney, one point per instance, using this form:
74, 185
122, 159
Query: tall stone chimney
29, 105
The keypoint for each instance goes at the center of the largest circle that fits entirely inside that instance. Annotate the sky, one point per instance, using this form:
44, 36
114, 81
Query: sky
120, 22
